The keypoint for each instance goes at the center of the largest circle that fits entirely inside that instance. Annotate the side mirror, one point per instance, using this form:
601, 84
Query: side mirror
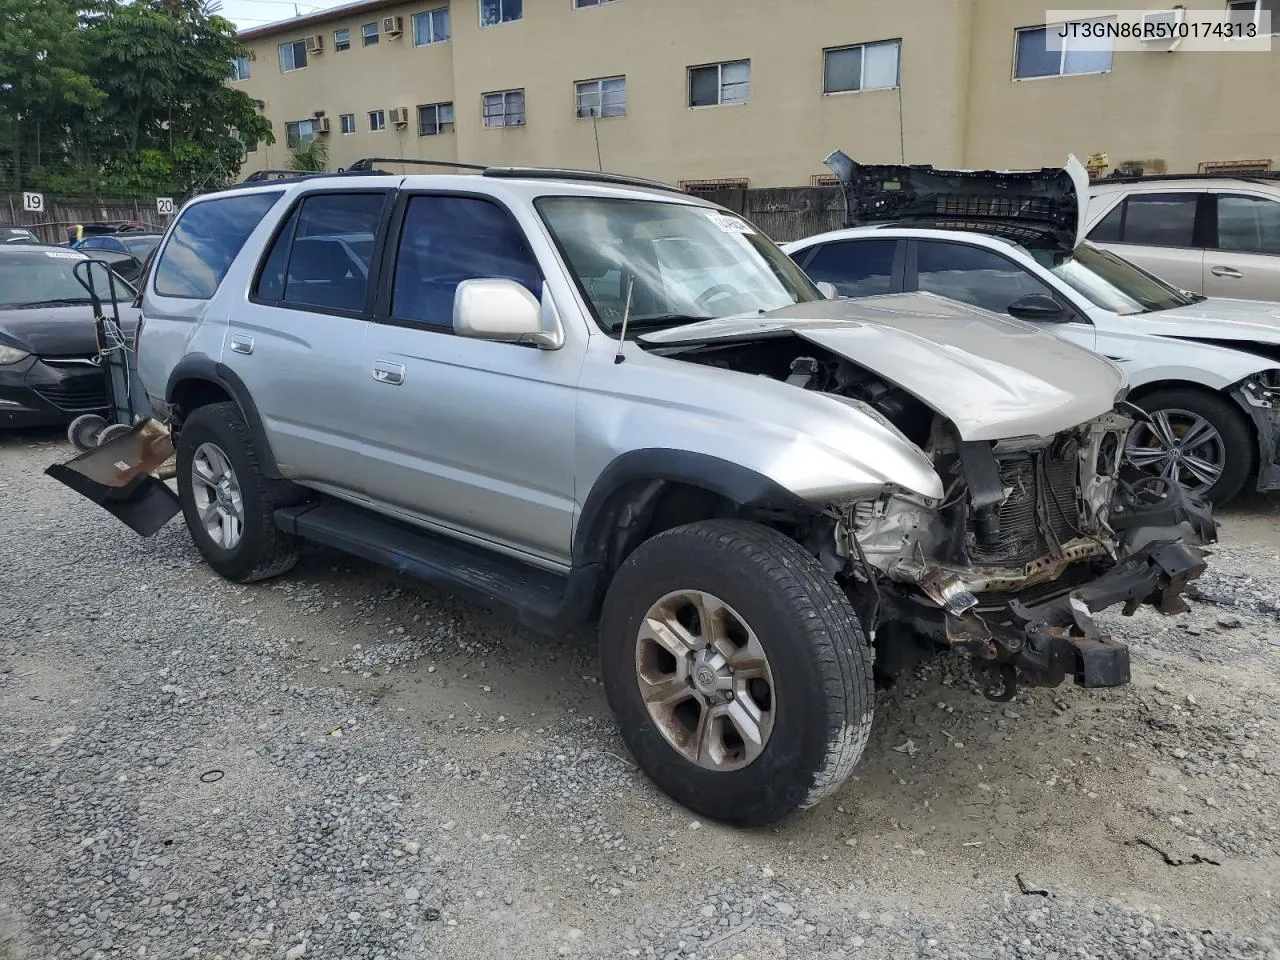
828, 290
1038, 308
500, 310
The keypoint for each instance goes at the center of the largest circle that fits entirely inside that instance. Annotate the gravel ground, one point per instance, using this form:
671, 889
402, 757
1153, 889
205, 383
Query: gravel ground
346, 764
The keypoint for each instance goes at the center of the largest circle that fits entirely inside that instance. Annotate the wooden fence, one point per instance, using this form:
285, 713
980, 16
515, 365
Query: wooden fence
786, 213
50, 224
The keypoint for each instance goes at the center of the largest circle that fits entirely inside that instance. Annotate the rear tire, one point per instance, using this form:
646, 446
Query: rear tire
765, 594
1231, 447
231, 511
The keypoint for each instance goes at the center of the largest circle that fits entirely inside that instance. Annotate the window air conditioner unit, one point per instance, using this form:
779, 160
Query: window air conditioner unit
399, 116
260, 104
315, 44
393, 26
321, 125
1161, 29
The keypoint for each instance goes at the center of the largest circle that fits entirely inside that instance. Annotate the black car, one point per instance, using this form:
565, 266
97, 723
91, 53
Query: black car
50, 372
126, 252
17, 235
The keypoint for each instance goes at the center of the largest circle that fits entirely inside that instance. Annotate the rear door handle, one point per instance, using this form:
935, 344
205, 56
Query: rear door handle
1231, 272
242, 344
390, 373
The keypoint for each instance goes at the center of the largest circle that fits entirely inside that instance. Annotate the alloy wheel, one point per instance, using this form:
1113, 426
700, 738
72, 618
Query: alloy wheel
705, 680
216, 493
1178, 445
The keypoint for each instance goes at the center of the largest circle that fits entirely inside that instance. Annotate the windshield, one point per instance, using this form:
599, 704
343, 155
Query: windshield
140, 247
1111, 282
48, 279
682, 263
17, 235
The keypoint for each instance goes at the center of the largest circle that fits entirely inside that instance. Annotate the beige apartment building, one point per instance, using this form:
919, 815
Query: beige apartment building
746, 91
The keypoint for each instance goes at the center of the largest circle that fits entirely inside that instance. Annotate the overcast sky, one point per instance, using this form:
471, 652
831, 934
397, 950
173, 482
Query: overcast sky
254, 13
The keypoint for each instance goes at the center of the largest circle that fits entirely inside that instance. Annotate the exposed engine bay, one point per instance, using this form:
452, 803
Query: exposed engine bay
1032, 536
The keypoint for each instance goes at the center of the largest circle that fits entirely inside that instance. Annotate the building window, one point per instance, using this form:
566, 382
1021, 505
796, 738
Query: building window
433, 118
293, 56
1042, 52
500, 11
584, 4
341, 40
299, 131
240, 68
867, 66
720, 83
347, 123
504, 109
602, 98
1250, 11
431, 27
369, 34
244, 147
377, 120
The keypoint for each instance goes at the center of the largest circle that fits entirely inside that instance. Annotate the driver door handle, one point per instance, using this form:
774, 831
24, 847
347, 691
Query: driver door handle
1231, 272
389, 373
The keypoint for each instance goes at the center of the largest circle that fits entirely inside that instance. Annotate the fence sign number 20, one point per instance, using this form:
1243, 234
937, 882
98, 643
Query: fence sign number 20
164, 206
33, 202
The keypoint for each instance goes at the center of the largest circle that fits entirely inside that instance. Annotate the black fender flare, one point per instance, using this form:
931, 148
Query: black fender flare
200, 366
741, 485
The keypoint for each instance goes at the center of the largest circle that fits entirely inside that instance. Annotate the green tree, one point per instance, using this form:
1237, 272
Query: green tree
309, 157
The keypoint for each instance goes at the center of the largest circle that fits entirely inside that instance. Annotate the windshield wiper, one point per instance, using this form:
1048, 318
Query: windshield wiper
59, 302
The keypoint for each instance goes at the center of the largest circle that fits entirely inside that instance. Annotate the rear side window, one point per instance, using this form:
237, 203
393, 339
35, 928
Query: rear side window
206, 241
322, 256
446, 240
1248, 224
1108, 228
1160, 219
856, 268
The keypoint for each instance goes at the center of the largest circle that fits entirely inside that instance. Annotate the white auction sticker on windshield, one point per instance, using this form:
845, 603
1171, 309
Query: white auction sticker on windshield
729, 224
59, 255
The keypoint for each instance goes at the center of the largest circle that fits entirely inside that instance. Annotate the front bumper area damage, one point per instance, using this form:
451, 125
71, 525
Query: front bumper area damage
1262, 403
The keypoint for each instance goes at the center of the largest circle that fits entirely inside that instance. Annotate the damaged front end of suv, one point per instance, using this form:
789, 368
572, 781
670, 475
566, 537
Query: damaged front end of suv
1027, 528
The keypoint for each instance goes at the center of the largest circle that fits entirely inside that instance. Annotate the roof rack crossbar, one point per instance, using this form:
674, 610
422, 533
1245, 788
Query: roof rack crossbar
368, 162
552, 173
1260, 175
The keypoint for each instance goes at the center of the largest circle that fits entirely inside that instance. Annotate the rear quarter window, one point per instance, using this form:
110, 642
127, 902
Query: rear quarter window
206, 241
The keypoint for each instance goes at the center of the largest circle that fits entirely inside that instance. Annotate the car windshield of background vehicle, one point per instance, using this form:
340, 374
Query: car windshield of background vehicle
40, 279
682, 263
1111, 282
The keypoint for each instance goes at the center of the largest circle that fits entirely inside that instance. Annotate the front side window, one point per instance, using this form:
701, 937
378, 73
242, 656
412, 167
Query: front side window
856, 268
867, 66
973, 275
1045, 52
240, 69
505, 109
583, 4
680, 263
321, 258
719, 84
431, 27
1109, 227
205, 242
500, 11
446, 240
1248, 224
377, 120
1110, 282
299, 131
435, 118
602, 98
293, 56
1249, 12
341, 40
347, 123
1160, 219
369, 34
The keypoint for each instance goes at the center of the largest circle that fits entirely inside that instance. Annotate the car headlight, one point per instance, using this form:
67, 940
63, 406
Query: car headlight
11, 355
1269, 379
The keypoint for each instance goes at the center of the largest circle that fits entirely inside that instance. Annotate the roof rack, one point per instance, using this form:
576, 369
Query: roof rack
521, 173
1260, 176
367, 163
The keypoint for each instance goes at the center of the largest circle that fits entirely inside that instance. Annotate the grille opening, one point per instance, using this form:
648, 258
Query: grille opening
1021, 538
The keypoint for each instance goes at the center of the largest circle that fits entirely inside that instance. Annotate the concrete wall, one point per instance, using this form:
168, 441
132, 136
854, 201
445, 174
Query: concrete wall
958, 103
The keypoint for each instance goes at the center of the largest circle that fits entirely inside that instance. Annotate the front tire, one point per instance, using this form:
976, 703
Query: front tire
227, 501
1197, 439
737, 670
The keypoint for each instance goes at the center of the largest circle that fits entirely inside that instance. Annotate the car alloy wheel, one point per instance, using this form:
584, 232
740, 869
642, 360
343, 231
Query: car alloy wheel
705, 680
216, 493
1178, 445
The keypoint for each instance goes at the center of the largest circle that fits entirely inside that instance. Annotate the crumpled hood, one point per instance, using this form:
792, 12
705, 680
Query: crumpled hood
1215, 319
993, 377
58, 331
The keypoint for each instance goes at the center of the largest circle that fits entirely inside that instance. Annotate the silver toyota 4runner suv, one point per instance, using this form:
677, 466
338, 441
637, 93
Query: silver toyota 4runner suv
591, 398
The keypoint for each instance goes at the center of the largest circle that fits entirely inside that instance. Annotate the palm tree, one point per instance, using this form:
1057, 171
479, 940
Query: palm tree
309, 156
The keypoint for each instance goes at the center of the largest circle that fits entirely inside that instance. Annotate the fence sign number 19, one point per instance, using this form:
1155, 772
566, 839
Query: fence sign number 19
164, 206
33, 202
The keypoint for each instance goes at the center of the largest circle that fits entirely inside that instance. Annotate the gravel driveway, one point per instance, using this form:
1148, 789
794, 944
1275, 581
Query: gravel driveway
343, 763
